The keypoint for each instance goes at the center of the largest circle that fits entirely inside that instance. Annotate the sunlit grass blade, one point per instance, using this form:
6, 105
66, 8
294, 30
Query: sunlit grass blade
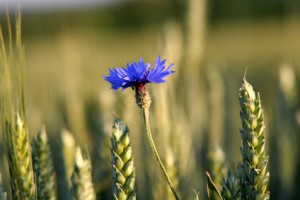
212, 190
196, 195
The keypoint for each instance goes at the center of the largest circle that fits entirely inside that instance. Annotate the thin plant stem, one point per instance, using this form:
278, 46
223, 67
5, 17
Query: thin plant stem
150, 139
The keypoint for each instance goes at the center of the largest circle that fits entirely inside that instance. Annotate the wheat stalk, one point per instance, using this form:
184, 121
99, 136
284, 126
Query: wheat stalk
122, 163
286, 140
82, 186
43, 166
252, 169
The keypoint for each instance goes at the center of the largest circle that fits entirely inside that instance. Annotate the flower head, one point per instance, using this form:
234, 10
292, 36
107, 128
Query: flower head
138, 74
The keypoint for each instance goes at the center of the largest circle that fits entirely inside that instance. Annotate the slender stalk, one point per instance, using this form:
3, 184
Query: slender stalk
150, 139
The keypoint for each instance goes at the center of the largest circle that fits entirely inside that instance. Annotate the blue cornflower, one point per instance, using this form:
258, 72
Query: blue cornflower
138, 74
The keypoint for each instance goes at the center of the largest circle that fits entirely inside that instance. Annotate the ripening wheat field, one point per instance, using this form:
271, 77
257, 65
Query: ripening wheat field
84, 116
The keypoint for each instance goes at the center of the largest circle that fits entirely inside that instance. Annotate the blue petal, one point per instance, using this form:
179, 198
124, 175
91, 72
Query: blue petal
117, 77
159, 72
136, 73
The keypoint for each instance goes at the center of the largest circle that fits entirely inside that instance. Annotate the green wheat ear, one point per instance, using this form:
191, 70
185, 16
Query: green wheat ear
231, 189
43, 166
252, 169
82, 186
3, 195
20, 161
122, 163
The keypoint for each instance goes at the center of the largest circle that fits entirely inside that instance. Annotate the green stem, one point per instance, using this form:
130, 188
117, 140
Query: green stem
150, 139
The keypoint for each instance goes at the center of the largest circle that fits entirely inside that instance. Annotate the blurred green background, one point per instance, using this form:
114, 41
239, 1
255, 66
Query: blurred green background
212, 43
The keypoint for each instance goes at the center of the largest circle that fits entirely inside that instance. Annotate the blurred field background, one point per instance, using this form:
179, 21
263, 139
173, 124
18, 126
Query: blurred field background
195, 116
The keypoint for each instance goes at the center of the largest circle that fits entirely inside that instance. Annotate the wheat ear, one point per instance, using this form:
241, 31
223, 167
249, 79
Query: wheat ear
39, 180
82, 186
122, 163
20, 161
43, 166
231, 188
252, 169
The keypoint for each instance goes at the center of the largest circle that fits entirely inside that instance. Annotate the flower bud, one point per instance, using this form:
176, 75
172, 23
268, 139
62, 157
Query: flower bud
142, 96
